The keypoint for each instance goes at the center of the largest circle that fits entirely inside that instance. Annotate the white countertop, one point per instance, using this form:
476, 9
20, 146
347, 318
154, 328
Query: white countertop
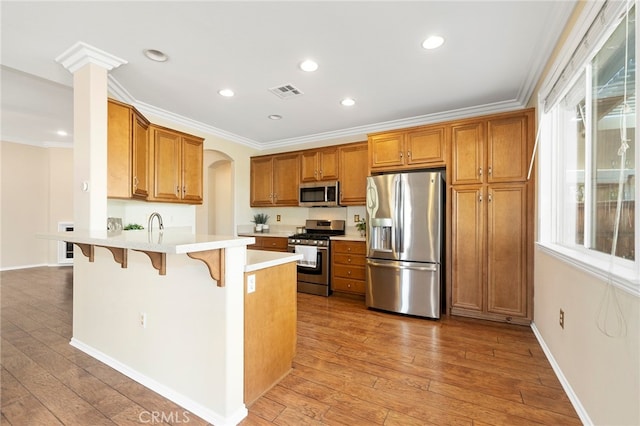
168, 241
261, 259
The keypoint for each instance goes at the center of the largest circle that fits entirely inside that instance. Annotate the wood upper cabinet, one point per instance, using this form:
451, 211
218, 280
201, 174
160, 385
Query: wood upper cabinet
492, 150
413, 148
127, 152
353, 174
177, 166
318, 165
275, 180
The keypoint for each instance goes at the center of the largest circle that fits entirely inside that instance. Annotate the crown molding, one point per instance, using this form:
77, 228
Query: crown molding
81, 54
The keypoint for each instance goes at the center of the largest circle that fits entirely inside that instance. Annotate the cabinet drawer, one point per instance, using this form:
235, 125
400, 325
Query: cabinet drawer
349, 259
274, 243
348, 286
348, 271
354, 247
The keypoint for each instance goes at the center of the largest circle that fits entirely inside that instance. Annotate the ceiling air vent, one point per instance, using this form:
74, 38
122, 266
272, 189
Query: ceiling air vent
286, 91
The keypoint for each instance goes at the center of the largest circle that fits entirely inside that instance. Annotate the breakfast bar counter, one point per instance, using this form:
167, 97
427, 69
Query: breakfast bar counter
178, 327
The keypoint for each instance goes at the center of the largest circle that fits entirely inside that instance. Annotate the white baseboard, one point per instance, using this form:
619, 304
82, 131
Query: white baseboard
13, 268
575, 401
180, 399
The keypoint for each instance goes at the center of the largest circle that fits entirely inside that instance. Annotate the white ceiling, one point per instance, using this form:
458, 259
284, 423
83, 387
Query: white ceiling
493, 55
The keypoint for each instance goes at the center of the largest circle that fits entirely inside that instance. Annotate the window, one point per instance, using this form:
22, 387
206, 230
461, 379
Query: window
588, 156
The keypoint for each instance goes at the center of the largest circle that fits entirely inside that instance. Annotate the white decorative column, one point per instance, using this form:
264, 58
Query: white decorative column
89, 67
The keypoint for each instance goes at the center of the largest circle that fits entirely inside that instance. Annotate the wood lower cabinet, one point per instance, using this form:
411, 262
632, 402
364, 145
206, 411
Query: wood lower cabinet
127, 152
490, 247
319, 165
177, 166
275, 180
353, 174
269, 243
269, 328
348, 267
415, 148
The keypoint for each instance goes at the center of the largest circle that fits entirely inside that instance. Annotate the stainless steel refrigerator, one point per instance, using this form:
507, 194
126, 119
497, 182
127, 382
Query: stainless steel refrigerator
405, 229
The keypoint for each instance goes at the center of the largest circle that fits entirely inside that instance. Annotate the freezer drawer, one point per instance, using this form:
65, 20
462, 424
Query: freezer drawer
405, 287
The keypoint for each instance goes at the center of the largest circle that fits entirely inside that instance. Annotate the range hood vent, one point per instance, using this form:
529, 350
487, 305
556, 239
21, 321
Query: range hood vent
286, 91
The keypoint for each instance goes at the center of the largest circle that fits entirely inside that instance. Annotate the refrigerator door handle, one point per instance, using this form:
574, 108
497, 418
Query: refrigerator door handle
399, 214
429, 267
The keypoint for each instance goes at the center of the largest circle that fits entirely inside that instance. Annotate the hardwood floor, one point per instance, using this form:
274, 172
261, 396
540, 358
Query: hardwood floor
353, 366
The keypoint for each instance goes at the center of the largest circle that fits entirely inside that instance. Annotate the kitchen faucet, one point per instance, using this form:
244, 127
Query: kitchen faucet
150, 224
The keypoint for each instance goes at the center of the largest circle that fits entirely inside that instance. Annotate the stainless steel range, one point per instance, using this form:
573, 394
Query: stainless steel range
314, 270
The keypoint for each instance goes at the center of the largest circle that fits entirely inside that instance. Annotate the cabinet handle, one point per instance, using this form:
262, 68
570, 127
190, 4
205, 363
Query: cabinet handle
480, 171
349, 273
349, 285
349, 260
184, 189
177, 190
275, 197
315, 173
490, 170
401, 155
348, 248
409, 154
480, 198
135, 182
321, 174
490, 197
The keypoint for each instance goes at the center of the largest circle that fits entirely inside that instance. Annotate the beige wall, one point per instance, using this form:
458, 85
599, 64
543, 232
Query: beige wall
603, 372
36, 195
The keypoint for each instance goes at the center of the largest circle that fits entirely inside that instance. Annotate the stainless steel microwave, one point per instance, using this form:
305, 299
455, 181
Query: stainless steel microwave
319, 194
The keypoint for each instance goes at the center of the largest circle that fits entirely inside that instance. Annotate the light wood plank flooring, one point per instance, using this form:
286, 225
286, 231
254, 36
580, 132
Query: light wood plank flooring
353, 366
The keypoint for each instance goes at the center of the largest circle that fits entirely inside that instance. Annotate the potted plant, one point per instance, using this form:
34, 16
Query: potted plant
362, 227
260, 219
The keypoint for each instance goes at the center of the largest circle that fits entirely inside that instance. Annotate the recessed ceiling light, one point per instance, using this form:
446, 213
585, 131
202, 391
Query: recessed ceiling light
348, 102
275, 117
227, 93
155, 55
61, 133
433, 42
309, 65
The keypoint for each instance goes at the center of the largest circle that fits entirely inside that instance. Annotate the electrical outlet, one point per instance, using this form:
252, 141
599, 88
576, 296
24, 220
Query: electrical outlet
356, 218
251, 284
277, 218
561, 321
143, 319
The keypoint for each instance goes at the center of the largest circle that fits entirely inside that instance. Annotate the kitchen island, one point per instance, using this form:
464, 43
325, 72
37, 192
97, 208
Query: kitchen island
168, 310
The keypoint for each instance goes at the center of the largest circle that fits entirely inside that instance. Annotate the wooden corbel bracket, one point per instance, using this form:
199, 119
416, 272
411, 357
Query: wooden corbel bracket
214, 259
158, 260
87, 250
119, 255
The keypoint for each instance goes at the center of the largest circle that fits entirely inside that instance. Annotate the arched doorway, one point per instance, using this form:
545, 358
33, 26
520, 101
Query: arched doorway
216, 214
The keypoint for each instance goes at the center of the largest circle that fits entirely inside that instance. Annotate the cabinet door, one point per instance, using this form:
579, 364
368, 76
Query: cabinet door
467, 153
261, 181
507, 250
386, 150
286, 172
353, 174
309, 166
467, 240
426, 147
328, 162
192, 158
507, 149
119, 151
166, 155
140, 163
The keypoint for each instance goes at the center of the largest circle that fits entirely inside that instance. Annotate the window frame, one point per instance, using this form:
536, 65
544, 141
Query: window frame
622, 273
